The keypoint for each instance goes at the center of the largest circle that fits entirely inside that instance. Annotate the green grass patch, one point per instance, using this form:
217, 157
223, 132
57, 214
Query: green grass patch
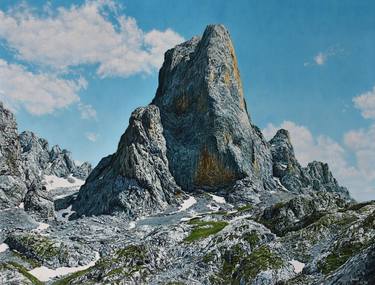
33, 262
71, 277
338, 257
259, 260
252, 238
24, 272
204, 229
244, 208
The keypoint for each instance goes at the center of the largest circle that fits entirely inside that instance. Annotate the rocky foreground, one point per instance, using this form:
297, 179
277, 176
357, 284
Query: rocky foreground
193, 195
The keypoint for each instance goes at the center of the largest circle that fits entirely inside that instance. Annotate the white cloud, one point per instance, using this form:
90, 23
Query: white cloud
358, 176
87, 111
366, 103
85, 35
306, 147
92, 136
322, 57
37, 93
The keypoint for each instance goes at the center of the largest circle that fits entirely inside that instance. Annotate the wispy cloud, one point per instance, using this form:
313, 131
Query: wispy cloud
366, 103
322, 57
55, 40
92, 136
38, 93
358, 175
87, 111
93, 33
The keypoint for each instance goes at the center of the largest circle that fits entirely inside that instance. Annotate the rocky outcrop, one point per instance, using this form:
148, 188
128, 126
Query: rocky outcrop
25, 159
197, 135
12, 186
136, 179
301, 211
210, 139
297, 179
48, 252
39, 160
38, 201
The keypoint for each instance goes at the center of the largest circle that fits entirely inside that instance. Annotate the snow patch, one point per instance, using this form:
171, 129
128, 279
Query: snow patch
213, 208
298, 266
187, 203
54, 182
283, 166
279, 183
45, 274
131, 225
3, 247
41, 227
21, 206
218, 199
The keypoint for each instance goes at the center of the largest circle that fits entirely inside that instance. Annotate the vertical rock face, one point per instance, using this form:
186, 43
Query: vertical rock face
12, 186
285, 165
196, 134
10, 150
39, 160
210, 139
316, 176
25, 159
136, 179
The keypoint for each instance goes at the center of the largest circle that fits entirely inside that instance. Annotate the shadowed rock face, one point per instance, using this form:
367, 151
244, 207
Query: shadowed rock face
196, 134
12, 186
136, 179
210, 139
316, 176
25, 159
38, 158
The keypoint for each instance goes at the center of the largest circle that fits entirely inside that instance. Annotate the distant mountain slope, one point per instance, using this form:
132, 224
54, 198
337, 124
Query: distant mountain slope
26, 159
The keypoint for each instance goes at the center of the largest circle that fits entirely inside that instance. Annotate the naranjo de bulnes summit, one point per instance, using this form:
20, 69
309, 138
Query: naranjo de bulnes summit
194, 194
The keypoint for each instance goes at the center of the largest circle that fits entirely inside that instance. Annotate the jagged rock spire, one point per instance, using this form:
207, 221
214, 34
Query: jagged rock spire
207, 128
196, 134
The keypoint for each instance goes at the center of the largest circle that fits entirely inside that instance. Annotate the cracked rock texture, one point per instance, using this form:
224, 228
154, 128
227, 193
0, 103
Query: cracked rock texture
194, 194
12, 186
197, 134
25, 159
136, 179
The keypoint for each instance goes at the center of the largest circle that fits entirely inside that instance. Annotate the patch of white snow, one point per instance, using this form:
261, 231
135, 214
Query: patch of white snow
218, 199
187, 203
54, 182
298, 266
3, 247
131, 225
279, 183
45, 274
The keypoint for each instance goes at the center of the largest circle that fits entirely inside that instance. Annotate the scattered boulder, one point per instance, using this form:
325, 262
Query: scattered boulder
39, 202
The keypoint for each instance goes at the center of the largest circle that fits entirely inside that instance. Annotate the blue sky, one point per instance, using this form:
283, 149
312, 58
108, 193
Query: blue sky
73, 73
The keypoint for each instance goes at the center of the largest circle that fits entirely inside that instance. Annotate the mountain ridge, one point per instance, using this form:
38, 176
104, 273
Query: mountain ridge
139, 220
200, 124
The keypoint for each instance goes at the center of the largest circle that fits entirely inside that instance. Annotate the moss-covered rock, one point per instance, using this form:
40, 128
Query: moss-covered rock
203, 229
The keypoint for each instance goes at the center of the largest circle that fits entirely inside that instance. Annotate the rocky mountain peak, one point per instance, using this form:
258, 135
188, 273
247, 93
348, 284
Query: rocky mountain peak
210, 139
25, 159
39, 159
195, 135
